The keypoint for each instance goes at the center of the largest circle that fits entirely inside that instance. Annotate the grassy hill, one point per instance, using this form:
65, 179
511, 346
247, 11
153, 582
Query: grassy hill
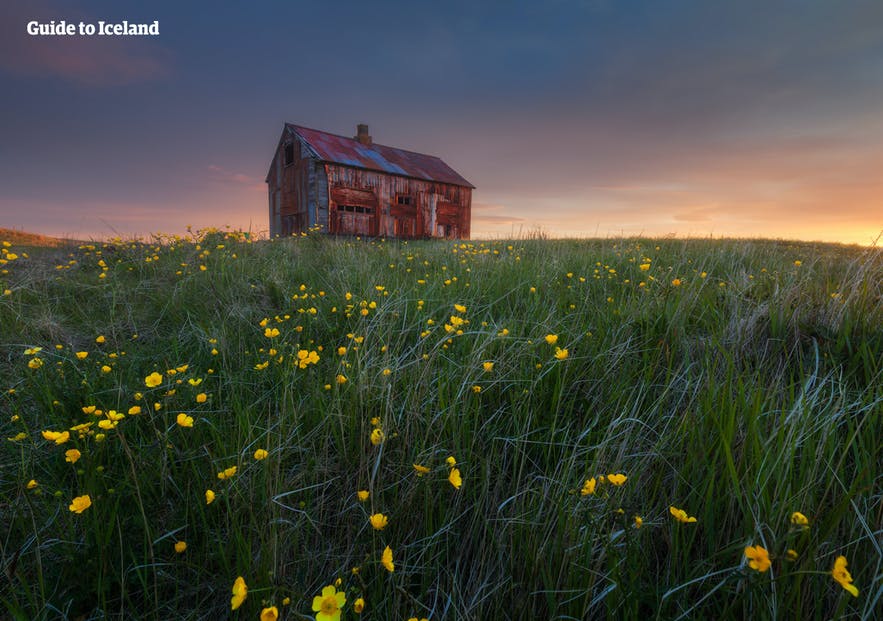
511, 429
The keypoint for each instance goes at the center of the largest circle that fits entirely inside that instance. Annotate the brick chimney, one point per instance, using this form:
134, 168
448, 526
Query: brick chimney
362, 134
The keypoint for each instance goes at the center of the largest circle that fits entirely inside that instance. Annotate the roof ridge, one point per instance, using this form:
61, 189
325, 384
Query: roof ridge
386, 146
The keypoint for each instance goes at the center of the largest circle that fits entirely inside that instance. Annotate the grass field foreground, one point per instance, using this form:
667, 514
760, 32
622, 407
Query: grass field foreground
531, 429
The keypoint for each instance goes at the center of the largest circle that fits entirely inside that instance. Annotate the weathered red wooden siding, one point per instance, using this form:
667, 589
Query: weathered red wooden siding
437, 210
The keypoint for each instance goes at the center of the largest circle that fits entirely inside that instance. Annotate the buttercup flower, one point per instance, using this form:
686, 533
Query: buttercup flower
82, 355
377, 436
209, 496
487, 366
616, 479
180, 547
271, 333
551, 339
421, 470
240, 592
201, 397
639, 521
32, 484
798, 519
59, 437
226, 474
270, 614
589, 487
362, 495
378, 521
260, 454
185, 421
153, 380
455, 479
359, 606
680, 515
842, 576
759, 558
561, 354
386, 560
80, 504
329, 604
72, 455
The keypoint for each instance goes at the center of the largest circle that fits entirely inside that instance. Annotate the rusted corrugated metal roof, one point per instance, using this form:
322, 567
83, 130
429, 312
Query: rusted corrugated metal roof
350, 152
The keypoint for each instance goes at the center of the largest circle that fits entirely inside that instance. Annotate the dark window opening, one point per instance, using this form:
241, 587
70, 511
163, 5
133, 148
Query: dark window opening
404, 199
289, 153
355, 208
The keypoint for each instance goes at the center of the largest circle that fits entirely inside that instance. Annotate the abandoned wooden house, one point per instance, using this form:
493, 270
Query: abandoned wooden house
352, 186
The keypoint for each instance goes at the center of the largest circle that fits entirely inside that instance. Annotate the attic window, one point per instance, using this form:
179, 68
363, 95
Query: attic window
404, 199
289, 153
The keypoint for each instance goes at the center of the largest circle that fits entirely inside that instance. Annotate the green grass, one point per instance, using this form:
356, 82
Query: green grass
751, 390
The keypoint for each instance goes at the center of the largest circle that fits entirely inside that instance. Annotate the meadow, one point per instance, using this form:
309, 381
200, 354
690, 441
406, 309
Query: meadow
209, 427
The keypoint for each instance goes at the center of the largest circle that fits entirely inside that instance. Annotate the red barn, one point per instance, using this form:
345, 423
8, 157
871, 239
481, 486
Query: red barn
352, 186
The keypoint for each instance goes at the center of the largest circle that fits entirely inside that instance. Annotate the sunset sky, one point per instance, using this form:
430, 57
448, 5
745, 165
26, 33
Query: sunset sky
577, 117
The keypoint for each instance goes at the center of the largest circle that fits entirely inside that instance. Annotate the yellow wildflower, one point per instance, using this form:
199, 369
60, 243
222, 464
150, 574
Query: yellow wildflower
561, 354
240, 592
81, 355
386, 560
72, 455
454, 478
180, 547
271, 333
228, 473
377, 436
759, 558
378, 521
459, 308
153, 380
100, 338
639, 521
616, 479
80, 504
551, 339
359, 606
451, 461
421, 470
134, 410
270, 614
798, 519
260, 454
341, 379
680, 515
362, 495
209, 496
842, 576
32, 484
329, 604
59, 437
487, 366
201, 397
589, 487
35, 363
184, 421
676, 282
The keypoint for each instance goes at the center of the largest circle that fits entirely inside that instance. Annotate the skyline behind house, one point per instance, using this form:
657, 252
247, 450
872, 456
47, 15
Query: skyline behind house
577, 118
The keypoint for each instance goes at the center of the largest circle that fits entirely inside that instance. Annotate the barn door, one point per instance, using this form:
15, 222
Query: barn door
354, 212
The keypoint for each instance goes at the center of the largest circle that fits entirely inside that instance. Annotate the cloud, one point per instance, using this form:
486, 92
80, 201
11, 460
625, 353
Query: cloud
487, 213
93, 61
222, 175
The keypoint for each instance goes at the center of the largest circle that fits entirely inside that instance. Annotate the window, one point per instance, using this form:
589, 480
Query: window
289, 153
355, 209
404, 199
